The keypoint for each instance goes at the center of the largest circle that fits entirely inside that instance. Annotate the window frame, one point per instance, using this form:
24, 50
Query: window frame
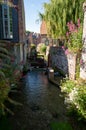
7, 34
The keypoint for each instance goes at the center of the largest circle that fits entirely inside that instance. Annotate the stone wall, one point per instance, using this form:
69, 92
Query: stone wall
72, 65
66, 63
58, 59
83, 64
83, 60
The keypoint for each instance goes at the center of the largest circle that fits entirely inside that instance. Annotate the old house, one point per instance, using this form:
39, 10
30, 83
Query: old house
12, 27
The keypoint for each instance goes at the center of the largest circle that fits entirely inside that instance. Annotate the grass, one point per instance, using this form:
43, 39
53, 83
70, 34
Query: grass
60, 126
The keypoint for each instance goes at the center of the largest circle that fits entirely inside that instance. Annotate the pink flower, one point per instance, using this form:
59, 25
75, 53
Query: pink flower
67, 34
71, 27
66, 52
76, 30
63, 47
78, 23
78, 20
81, 61
68, 24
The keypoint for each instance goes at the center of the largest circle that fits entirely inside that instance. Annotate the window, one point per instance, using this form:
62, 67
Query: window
7, 22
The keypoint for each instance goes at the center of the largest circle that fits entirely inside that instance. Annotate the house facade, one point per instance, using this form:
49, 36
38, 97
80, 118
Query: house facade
12, 27
44, 34
32, 38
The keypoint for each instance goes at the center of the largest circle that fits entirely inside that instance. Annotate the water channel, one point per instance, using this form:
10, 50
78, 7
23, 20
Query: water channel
42, 102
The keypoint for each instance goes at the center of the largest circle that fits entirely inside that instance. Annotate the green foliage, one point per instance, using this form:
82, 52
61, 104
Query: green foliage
13, 73
33, 50
58, 12
41, 48
76, 95
4, 82
60, 126
9, 75
74, 43
33, 46
77, 74
4, 55
80, 100
4, 90
67, 85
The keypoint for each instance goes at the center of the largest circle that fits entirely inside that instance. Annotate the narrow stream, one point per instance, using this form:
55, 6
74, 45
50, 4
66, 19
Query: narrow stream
42, 104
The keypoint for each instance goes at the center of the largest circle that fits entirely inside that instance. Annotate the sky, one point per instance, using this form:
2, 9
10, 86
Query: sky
32, 9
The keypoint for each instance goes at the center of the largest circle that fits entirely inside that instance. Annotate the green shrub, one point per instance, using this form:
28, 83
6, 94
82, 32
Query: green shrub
74, 36
9, 75
4, 96
80, 100
67, 85
41, 48
4, 90
4, 55
13, 74
76, 96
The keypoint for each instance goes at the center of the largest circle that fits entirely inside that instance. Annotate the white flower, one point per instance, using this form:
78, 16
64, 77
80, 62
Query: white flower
73, 94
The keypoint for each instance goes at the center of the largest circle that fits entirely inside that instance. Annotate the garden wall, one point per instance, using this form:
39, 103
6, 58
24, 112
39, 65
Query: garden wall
66, 63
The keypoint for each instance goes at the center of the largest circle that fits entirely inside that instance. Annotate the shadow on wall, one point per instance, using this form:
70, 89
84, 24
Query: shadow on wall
58, 59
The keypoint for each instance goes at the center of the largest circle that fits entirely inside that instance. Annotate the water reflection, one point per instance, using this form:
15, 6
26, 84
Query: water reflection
42, 104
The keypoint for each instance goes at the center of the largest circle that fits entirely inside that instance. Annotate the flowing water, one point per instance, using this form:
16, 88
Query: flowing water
42, 104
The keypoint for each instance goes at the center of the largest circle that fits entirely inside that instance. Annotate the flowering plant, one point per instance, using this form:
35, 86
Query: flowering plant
74, 36
75, 96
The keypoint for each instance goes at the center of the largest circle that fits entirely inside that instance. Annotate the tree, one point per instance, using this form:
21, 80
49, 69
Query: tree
58, 12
